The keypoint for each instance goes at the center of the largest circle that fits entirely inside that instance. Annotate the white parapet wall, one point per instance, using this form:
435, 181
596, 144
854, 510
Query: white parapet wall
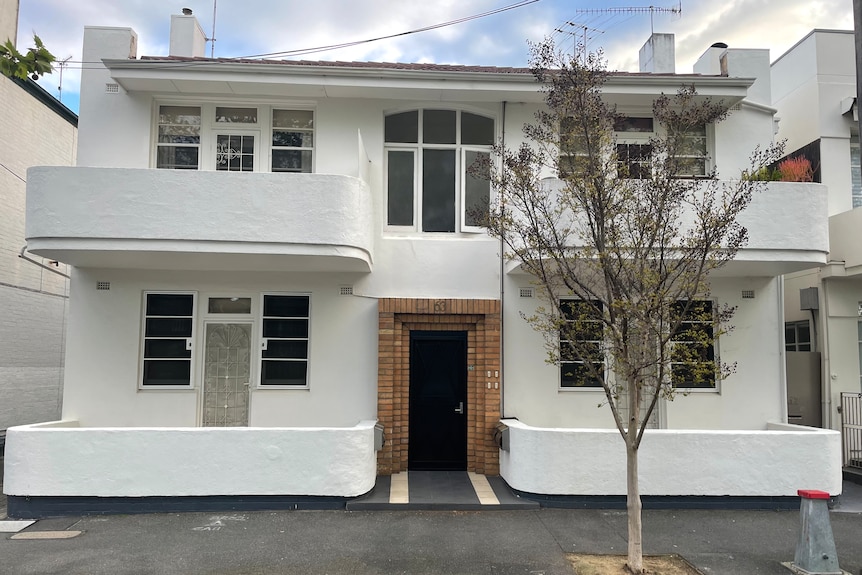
776, 461
63, 459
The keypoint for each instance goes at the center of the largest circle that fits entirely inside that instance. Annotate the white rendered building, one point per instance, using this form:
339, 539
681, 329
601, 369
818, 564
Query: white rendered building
814, 90
35, 129
241, 333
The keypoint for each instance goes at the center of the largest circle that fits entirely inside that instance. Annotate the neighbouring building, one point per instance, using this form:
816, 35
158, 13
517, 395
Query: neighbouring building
35, 130
271, 257
814, 91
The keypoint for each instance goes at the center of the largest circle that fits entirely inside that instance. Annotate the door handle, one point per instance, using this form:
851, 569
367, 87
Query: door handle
460, 408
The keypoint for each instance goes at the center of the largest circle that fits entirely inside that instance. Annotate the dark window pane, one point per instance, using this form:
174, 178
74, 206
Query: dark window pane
177, 158
438, 127
167, 372
438, 191
403, 127
400, 180
477, 187
276, 348
291, 161
804, 333
789, 334
577, 375
166, 348
629, 124
283, 372
285, 305
292, 139
170, 304
476, 130
229, 305
285, 328
168, 327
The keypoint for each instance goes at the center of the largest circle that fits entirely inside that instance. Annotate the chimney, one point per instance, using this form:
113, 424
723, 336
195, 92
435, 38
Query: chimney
658, 55
187, 36
750, 63
709, 63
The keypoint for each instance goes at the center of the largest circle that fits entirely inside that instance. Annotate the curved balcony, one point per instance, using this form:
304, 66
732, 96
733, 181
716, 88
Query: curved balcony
171, 219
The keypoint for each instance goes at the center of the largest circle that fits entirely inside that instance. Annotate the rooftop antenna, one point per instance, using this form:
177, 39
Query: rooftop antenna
585, 28
212, 39
633, 10
62, 64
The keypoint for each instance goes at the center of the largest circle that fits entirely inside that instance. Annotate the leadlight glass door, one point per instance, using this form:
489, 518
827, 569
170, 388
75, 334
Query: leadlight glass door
227, 374
236, 151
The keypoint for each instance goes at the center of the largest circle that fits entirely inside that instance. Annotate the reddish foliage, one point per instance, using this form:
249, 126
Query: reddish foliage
796, 169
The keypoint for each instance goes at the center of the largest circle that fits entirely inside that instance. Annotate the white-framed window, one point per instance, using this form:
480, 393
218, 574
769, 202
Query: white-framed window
434, 164
797, 336
167, 340
285, 324
693, 352
633, 148
292, 140
210, 136
693, 152
178, 138
582, 352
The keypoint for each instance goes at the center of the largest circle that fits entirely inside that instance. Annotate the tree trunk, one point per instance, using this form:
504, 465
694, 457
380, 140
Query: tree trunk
633, 503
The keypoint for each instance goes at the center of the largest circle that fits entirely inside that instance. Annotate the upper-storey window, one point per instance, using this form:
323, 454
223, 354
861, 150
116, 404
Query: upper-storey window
434, 165
235, 138
179, 137
292, 140
634, 151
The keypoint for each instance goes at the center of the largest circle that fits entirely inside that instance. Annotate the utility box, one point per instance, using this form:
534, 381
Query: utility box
808, 299
379, 437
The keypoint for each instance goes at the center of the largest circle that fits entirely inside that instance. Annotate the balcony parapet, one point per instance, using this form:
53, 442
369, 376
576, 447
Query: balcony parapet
172, 219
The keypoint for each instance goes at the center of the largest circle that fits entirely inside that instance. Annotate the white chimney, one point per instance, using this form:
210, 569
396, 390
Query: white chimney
658, 55
709, 63
187, 36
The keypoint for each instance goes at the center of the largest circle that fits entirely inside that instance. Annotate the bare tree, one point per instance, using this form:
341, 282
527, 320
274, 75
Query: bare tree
622, 244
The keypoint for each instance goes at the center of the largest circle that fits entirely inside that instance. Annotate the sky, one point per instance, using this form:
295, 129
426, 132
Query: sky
500, 38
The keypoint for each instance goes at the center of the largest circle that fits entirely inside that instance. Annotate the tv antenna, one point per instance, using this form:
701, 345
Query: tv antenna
574, 34
62, 64
651, 10
212, 38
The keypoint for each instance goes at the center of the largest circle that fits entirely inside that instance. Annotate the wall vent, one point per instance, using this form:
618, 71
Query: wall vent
748, 294
103, 286
345, 290
111, 88
526, 292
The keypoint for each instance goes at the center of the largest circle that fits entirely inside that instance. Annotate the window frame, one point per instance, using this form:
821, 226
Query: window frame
263, 342
418, 148
640, 138
158, 145
795, 325
272, 147
190, 341
594, 386
210, 127
715, 387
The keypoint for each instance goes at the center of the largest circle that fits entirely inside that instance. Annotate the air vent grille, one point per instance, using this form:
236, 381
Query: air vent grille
112, 88
345, 290
748, 294
103, 286
526, 292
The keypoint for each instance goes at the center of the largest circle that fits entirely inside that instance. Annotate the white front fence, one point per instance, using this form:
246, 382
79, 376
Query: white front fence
776, 461
63, 459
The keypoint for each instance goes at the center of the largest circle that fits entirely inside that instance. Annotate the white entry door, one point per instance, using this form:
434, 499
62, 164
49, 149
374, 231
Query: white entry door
227, 374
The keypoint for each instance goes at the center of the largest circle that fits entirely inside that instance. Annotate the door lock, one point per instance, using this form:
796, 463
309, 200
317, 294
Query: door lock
460, 408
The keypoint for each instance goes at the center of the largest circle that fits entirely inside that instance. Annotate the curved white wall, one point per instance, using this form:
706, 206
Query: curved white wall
773, 462
67, 461
103, 209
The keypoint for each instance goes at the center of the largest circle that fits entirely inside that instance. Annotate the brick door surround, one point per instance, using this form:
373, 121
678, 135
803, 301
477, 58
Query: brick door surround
397, 317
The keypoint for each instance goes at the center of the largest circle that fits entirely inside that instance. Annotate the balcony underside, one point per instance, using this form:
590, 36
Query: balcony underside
201, 256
